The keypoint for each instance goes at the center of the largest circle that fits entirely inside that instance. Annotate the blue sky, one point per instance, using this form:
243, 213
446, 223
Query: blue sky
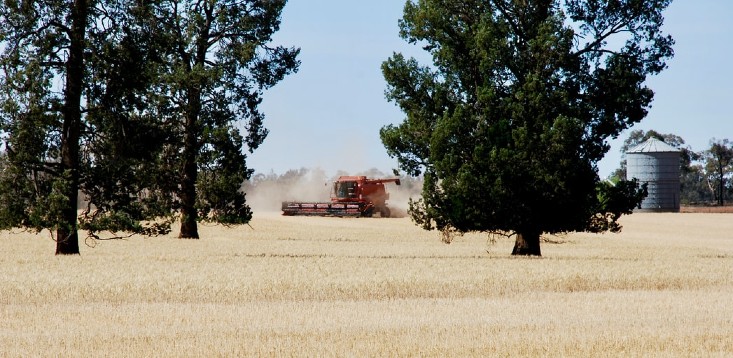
328, 115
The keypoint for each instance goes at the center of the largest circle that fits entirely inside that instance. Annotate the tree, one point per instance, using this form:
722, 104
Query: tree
719, 163
219, 62
695, 189
511, 118
53, 122
692, 187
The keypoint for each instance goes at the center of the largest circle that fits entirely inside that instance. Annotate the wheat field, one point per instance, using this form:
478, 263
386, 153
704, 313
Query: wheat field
331, 287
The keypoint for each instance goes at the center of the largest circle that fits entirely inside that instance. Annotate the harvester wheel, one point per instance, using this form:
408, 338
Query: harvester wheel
384, 212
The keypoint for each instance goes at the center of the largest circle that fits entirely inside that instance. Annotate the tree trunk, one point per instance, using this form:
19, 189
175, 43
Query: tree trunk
189, 216
527, 244
67, 239
721, 186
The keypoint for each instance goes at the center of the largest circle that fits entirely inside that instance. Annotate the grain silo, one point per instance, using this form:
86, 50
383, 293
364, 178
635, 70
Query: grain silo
657, 164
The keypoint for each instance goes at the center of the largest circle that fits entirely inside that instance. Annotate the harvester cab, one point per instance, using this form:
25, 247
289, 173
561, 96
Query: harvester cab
344, 190
351, 196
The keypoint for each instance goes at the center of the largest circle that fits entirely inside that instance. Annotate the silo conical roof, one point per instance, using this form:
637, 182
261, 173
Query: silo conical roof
653, 145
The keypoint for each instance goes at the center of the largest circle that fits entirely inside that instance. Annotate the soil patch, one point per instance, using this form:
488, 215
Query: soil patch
707, 209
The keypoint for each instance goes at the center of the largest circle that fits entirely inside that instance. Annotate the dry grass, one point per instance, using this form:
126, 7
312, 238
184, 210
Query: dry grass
296, 286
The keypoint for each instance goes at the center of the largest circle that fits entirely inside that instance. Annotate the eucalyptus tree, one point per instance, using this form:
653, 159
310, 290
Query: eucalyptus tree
510, 119
719, 165
219, 61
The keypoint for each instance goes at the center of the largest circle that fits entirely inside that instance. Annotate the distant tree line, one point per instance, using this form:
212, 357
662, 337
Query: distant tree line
706, 177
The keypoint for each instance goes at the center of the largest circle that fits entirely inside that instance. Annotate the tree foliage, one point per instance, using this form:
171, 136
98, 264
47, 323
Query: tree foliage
510, 119
68, 114
719, 165
135, 106
218, 62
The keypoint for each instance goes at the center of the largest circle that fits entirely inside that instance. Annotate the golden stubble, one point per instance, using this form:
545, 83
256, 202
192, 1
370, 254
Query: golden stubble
311, 286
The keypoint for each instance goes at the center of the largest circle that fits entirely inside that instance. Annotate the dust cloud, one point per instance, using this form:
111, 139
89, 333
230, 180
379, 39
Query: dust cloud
399, 196
265, 193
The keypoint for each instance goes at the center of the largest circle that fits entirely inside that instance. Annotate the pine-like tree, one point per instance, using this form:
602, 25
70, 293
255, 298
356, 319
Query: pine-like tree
510, 120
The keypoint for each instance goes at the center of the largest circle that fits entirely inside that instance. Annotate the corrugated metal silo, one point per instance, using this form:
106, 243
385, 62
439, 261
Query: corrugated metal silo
657, 164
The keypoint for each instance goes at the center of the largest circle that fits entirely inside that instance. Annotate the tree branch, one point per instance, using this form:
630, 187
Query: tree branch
602, 37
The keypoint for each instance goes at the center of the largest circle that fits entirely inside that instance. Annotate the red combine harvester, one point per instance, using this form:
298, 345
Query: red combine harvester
351, 196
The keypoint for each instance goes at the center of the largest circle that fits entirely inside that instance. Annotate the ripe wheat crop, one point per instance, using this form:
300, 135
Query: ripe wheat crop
300, 286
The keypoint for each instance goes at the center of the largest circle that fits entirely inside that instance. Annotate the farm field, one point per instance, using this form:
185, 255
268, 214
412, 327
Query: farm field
330, 287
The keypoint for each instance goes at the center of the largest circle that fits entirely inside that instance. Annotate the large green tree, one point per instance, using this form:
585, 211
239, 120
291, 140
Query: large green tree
68, 115
511, 117
219, 63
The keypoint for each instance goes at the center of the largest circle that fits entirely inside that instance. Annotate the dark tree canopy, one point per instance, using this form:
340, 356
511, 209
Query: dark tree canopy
69, 118
510, 119
137, 106
218, 62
